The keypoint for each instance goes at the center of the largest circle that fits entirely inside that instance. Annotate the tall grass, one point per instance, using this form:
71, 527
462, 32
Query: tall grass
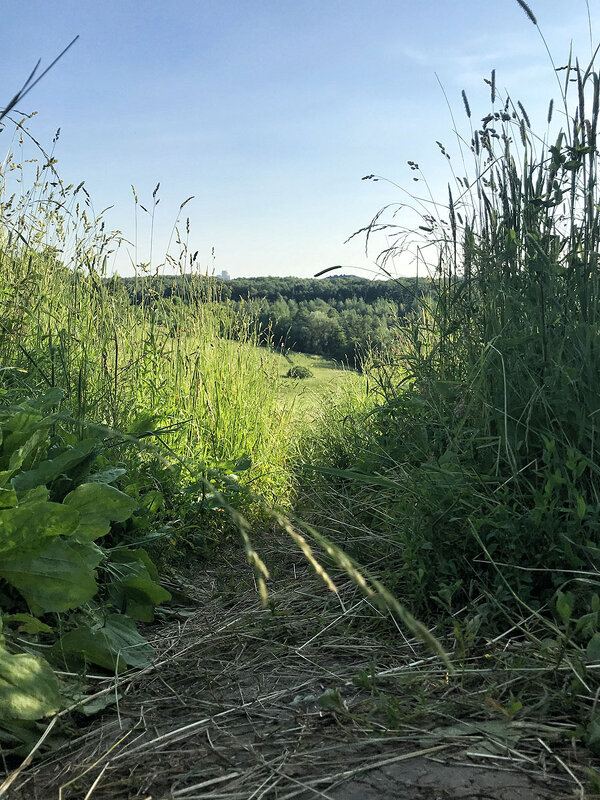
508, 358
471, 489
476, 483
189, 374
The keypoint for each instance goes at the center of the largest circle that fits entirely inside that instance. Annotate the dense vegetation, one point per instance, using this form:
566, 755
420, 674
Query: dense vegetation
474, 484
122, 446
465, 479
341, 317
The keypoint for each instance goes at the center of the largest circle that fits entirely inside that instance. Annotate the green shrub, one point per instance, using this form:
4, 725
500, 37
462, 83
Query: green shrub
299, 371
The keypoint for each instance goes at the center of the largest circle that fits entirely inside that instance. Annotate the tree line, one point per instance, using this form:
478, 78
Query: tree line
338, 317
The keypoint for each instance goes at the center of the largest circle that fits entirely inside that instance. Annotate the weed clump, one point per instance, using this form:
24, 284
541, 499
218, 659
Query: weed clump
299, 372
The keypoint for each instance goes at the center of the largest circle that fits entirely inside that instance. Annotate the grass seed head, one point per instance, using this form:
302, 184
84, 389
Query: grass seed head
524, 114
528, 11
466, 102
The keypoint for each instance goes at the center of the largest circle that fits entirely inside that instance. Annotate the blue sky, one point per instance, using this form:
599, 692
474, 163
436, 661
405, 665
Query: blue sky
269, 112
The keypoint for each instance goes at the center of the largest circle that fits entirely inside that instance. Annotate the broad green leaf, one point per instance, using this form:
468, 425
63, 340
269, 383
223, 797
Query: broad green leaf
48, 400
33, 449
59, 579
145, 422
113, 646
564, 605
151, 502
20, 428
8, 498
98, 703
28, 687
587, 624
19, 736
243, 464
5, 477
98, 505
28, 624
27, 530
593, 735
134, 589
39, 494
74, 695
142, 596
127, 555
121, 573
48, 471
107, 475
592, 651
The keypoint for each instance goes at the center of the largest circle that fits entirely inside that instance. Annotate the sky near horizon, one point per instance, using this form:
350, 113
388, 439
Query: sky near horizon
269, 112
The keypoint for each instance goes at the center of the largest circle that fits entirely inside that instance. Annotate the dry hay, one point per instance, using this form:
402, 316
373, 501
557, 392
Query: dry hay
310, 698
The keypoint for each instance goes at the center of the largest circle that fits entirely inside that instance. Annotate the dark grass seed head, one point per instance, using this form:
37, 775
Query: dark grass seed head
524, 114
466, 102
528, 11
523, 133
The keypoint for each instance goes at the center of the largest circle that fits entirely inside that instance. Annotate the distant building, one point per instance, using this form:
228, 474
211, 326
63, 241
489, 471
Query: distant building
224, 275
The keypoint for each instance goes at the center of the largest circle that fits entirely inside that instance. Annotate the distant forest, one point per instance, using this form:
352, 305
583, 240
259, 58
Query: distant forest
338, 317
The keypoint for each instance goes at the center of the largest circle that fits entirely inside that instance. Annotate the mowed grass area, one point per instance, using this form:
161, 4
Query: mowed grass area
329, 379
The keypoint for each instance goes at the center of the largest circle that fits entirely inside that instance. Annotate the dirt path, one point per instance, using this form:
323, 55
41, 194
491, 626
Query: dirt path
303, 700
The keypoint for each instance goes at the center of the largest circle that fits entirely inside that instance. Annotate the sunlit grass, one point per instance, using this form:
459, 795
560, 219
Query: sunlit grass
328, 379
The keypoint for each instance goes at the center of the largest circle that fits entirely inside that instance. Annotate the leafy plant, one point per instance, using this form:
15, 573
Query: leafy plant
59, 585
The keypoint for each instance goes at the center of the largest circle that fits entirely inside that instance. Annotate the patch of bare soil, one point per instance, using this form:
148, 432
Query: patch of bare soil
305, 699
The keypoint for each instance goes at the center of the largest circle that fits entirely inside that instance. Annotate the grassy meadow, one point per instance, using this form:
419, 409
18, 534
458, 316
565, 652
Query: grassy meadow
455, 480
328, 379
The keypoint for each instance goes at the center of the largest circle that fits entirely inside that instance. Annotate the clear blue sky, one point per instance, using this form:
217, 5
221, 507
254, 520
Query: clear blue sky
269, 112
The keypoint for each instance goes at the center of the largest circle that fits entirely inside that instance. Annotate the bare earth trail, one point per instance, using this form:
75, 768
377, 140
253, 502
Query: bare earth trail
245, 703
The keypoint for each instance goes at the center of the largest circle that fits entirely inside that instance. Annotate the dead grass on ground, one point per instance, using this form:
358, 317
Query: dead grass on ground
315, 696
